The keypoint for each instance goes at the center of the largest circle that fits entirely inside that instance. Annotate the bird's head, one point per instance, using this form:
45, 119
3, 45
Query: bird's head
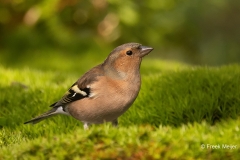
126, 58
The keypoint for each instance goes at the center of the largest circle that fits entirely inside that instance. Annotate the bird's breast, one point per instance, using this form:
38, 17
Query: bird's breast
115, 93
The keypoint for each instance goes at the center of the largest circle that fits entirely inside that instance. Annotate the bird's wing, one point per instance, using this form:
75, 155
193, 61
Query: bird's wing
80, 89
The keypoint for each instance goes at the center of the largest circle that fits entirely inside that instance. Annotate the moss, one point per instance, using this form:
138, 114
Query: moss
178, 109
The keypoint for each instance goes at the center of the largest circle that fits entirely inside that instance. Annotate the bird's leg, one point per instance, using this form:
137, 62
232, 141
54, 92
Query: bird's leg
85, 126
115, 122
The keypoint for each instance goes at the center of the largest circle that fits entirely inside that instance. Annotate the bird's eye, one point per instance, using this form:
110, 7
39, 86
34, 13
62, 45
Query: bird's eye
129, 52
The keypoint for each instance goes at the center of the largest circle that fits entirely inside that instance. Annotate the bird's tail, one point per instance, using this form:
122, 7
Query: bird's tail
48, 114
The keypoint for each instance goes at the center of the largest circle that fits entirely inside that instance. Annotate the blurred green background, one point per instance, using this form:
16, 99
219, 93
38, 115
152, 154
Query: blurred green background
38, 32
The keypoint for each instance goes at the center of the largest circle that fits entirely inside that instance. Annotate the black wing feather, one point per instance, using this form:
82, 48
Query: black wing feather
80, 89
72, 95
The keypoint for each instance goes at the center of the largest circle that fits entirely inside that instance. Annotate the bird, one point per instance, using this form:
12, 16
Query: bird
106, 91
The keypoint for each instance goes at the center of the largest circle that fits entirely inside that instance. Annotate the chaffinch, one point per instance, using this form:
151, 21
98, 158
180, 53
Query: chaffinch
106, 91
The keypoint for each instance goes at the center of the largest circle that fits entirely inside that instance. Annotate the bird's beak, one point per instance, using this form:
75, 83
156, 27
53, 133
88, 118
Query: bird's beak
145, 50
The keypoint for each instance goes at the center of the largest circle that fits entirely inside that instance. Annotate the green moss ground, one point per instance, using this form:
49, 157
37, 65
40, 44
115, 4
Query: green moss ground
179, 108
